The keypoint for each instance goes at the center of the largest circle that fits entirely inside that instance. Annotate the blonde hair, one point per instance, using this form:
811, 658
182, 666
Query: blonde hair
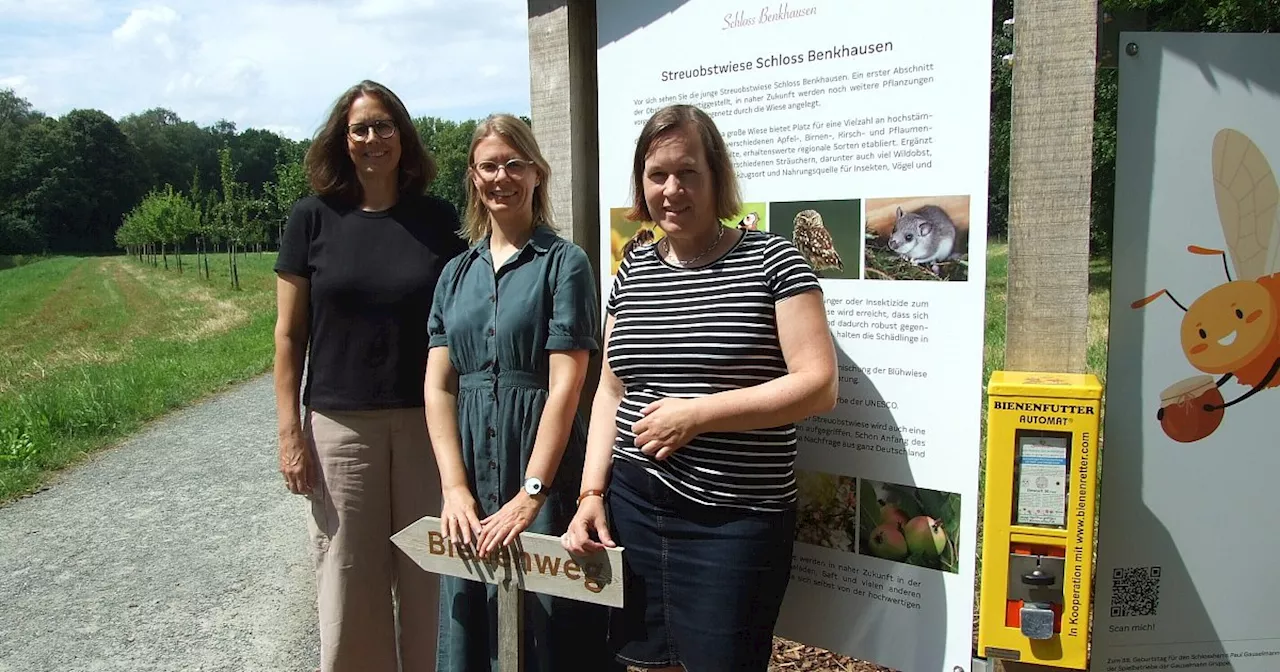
513, 131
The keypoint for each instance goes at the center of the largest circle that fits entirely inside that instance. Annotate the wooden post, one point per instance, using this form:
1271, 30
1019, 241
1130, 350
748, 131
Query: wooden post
1050, 169
510, 626
536, 563
562, 102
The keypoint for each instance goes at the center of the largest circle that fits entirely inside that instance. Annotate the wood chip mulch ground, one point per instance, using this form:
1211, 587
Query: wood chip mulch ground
791, 656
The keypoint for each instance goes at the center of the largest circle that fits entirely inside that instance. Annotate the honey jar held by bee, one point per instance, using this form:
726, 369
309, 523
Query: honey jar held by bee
1191, 410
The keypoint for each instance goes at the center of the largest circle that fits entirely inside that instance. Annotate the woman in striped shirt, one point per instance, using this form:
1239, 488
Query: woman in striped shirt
716, 343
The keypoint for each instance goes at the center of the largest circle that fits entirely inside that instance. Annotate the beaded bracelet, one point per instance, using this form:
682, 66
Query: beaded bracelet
590, 493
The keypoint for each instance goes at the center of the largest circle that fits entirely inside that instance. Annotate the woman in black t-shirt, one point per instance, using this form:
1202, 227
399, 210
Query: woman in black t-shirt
358, 264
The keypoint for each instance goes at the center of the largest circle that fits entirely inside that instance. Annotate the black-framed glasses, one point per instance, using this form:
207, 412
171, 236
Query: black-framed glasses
514, 167
384, 128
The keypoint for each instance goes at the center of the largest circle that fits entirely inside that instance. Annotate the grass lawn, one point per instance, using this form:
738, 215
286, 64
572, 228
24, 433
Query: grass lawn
93, 347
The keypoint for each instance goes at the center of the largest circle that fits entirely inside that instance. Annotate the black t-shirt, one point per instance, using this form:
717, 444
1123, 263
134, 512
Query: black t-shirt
372, 276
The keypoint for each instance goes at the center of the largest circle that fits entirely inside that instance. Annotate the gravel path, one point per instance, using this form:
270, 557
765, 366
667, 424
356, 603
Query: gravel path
179, 550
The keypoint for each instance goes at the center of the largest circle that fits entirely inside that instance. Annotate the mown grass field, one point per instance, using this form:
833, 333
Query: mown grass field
91, 348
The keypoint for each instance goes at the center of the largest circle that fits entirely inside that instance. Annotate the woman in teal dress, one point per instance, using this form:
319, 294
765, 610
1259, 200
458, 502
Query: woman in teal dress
512, 324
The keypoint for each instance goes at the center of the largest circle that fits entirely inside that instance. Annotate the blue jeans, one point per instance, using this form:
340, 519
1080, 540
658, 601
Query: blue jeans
703, 585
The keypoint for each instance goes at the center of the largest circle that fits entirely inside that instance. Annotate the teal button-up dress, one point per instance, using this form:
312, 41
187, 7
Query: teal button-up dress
500, 328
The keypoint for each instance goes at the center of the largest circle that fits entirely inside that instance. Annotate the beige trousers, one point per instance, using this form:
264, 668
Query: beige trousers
378, 475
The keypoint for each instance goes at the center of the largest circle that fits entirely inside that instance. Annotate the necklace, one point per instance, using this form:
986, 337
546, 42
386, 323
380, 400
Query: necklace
713, 245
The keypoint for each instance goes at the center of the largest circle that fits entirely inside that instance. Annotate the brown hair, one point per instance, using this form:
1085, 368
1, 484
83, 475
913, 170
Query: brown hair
680, 117
329, 168
513, 131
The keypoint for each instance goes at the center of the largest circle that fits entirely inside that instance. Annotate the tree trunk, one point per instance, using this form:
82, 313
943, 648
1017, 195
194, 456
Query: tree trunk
177, 247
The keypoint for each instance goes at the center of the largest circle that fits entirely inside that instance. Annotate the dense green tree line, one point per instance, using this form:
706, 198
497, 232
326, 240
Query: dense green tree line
67, 184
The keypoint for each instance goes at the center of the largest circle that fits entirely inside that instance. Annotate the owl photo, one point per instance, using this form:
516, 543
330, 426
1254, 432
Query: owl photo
827, 233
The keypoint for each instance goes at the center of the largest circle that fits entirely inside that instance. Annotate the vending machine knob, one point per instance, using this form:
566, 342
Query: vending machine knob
1038, 578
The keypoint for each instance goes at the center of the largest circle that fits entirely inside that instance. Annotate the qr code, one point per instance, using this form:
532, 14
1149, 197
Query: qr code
1135, 591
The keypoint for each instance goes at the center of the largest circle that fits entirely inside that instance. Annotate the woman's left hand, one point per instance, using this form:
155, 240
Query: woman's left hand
503, 527
668, 424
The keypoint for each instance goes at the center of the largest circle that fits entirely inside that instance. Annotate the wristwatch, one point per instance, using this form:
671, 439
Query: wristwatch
533, 486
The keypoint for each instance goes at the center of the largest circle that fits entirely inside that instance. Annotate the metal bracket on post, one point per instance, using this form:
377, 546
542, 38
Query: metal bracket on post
1110, 24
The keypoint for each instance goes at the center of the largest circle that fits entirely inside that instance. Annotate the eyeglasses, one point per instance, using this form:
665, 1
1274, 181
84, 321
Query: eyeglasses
385, 128
515, 168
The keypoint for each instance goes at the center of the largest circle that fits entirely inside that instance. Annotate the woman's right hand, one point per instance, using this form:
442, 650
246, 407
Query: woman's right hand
459, 522
589, 519
296, 463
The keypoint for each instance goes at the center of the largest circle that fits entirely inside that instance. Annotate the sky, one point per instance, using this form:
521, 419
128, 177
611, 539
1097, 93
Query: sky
269, 64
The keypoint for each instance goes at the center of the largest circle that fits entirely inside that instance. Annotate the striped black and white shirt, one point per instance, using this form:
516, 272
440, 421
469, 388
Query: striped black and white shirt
694, 332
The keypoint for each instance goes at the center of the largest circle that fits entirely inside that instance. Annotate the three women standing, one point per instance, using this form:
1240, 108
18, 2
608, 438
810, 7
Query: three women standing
357, 268
716, 343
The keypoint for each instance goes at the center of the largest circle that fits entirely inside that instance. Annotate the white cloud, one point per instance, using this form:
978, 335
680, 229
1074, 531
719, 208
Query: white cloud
279, 64
142, 23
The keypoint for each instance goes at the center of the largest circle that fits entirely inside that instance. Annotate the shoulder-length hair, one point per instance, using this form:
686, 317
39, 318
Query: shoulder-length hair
330, 171
673, 119
516, 133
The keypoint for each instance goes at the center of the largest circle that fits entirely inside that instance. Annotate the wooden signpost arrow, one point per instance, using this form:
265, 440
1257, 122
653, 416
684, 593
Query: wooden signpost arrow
535, 563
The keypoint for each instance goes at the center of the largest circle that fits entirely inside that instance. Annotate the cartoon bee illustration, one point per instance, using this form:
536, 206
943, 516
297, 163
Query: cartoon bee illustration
1233, 330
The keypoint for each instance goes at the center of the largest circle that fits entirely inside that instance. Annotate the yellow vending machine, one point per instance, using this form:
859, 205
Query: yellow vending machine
1038, 517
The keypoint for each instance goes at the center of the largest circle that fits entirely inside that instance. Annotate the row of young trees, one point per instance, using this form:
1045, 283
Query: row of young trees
230, 217
67, 182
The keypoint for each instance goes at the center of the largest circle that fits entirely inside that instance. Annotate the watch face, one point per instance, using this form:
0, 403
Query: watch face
533, 486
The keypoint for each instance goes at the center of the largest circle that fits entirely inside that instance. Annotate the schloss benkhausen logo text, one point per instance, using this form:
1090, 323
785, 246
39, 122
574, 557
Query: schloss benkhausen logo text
783, 12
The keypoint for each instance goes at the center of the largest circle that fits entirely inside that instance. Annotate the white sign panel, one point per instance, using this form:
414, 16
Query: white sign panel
1190, 455
865, 126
